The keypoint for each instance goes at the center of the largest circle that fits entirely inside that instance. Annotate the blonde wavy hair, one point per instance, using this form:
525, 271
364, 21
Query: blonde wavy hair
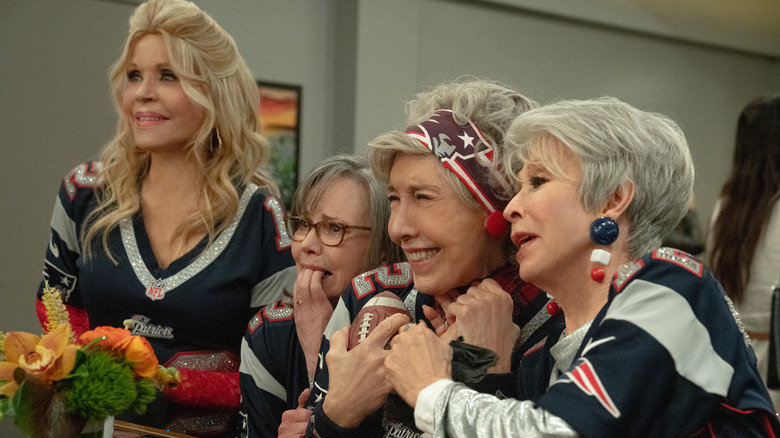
228, 149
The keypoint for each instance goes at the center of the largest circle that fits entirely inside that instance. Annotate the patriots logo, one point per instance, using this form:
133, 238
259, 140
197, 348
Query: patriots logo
465, 151
586, 378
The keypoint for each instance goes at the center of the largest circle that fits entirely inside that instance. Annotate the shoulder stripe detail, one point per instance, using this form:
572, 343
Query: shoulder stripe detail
251, 366
271, 288
585, 377
679, 258
685, 338
83, 175
65, 227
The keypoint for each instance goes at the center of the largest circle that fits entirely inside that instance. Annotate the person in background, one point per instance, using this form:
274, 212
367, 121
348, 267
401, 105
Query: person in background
744, 239
338, 224
176, 231
652, 345
446, 191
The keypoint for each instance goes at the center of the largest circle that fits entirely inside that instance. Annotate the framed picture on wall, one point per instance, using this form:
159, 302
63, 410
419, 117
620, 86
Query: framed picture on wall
280, 122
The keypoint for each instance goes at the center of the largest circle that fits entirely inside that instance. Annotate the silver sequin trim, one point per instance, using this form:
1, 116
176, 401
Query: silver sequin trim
191, 423
363, 285
277, 210
209, 361
142, 272
410, 301
680, 258
78, 176
280, 313
254, 322
625, 272
737, 319
540, 318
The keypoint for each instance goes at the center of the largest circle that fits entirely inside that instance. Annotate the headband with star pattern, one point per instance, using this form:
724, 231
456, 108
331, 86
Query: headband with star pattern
460, 148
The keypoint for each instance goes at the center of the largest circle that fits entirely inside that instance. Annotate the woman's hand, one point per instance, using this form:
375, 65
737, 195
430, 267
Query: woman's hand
484, 319
445, 327
417, 359
294, 421
357, 384
312, 312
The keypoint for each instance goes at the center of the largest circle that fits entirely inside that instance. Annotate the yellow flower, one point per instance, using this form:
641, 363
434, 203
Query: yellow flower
45, 359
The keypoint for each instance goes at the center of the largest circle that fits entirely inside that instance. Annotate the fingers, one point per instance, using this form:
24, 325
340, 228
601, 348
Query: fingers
338, 341
386, 330
303, 397
308, 286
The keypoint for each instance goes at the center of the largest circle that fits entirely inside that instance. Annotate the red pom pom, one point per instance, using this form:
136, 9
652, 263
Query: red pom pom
553, 308
598, 274
495, 224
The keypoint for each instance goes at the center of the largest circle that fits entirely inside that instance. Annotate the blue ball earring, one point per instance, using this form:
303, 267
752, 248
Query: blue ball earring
604, 231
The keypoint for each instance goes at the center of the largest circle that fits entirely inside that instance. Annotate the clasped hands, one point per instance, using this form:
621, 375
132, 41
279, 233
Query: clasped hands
361, 379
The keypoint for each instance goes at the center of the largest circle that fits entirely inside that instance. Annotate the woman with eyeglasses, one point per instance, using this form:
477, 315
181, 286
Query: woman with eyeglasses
338, 224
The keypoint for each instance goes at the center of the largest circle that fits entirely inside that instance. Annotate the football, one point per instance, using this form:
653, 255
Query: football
377, 309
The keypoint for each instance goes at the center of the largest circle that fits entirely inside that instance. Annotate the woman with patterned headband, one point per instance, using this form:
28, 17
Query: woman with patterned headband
652, 346
446, 192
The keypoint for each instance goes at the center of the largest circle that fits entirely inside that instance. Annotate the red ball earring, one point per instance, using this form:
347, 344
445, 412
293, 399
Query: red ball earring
495, 224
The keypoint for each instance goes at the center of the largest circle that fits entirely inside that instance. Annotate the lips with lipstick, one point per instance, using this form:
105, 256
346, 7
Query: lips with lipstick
520, 239
149, 117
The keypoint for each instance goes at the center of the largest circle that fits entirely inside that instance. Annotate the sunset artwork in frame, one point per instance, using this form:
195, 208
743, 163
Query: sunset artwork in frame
279, 115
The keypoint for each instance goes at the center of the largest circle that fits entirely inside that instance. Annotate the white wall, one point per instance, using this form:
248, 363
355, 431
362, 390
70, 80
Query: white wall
358, 61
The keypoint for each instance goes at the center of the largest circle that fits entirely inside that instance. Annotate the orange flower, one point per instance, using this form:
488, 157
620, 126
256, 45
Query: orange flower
114, 336
138, 351
46, 359
135, 348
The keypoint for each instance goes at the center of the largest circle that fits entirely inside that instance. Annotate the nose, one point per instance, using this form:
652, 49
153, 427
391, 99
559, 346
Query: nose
401, 225
311, 243
513, 210
145, 91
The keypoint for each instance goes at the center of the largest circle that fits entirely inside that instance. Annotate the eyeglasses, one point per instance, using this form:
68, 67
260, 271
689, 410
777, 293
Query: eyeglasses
329, 232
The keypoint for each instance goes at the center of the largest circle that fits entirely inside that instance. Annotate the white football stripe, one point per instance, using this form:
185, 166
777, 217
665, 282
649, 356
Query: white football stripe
644, 304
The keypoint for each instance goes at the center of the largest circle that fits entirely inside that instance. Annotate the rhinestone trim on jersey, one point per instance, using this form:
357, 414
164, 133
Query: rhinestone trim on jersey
168, 284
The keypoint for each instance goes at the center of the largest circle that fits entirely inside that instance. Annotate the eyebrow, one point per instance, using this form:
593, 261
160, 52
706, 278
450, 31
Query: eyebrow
160, 66
415, 187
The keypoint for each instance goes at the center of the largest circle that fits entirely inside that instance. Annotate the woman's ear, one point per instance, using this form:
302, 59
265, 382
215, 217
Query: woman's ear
618, 203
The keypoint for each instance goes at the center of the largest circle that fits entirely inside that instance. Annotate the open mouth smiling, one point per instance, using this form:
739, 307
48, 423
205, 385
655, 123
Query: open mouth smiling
416, 256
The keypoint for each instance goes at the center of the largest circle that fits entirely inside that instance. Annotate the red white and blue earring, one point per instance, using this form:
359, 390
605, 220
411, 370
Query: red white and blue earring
603, 231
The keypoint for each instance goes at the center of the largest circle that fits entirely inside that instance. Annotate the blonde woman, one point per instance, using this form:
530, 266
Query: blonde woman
175, 231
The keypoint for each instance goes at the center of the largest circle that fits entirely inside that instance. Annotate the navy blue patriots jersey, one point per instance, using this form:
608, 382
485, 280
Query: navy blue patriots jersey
201, 301
273, 368
529, 314
666, 356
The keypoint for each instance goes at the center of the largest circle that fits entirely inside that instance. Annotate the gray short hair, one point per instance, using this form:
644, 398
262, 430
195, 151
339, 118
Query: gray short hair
614, 143
314, 185
490, 105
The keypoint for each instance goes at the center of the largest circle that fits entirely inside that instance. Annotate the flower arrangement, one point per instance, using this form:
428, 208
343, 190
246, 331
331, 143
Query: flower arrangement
54, 384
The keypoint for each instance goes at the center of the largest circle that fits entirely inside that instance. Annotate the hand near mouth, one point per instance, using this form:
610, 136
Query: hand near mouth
312, 312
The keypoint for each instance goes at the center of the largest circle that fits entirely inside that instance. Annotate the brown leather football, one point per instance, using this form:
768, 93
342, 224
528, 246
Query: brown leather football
377, 309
